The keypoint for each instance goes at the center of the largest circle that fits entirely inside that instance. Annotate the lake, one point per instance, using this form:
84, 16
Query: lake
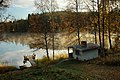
14, 46
12, 53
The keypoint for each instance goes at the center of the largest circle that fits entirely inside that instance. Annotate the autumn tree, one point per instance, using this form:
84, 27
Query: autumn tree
114, 22
42, 5
114, 18
52, 8
4, 4
74, 6
92, 21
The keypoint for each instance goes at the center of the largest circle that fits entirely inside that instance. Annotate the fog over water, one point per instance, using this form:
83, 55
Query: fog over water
14, 46
12, 53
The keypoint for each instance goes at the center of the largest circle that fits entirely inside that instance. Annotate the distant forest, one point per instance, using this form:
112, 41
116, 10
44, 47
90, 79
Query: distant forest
63, 21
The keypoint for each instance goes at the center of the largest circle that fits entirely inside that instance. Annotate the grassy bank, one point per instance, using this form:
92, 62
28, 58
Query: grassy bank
4, 69
62, 69
67, 70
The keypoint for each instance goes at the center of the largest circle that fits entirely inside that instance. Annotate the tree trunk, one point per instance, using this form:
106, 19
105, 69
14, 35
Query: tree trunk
109, 36
94, 23
78, 36
53, 44
95, 36
77, 26
46, 45
103, 26
52, 29
109, 20
99, 24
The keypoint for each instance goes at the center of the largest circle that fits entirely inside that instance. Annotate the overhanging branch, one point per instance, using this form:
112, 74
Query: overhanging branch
1, 1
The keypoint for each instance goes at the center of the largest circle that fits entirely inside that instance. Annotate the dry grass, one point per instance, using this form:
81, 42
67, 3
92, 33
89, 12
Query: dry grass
57, 58
4, 69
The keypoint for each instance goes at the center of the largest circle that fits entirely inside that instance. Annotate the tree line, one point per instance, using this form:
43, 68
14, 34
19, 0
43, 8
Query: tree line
63, 20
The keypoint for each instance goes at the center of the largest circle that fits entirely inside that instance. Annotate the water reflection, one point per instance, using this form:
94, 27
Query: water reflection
12, 54
33, 40
62, 40
15, 46
11, 46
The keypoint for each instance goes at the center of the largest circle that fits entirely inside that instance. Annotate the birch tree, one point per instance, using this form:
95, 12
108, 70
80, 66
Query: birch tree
42, 6
48, 6
4, 4
75, 6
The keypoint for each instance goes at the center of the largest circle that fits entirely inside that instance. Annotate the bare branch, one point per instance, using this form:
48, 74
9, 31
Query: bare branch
1, 1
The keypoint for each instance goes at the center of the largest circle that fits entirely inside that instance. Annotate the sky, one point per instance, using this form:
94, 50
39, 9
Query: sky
21, 8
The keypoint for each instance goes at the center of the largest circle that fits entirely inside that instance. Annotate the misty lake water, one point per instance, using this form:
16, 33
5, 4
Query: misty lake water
12, 54
14, 46
13, 50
